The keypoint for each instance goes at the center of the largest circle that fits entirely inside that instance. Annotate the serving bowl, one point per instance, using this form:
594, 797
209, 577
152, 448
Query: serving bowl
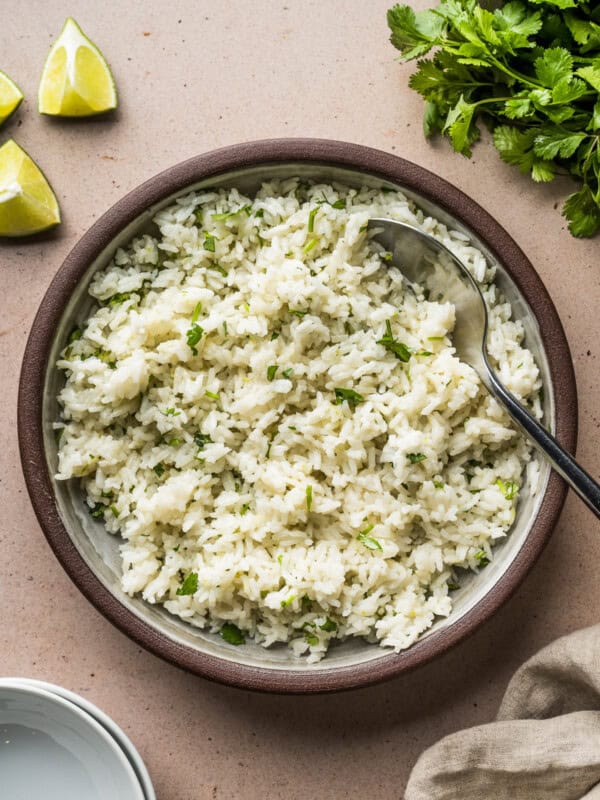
90, 555
51, 748
110, 726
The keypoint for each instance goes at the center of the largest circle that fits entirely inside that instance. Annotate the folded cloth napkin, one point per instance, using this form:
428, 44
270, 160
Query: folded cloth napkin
545, 744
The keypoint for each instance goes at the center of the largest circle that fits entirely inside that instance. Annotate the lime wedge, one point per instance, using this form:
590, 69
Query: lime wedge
27, 203
10, 97
76, 81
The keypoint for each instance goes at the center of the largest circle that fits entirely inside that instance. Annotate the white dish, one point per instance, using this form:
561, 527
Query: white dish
52, 749
113, 729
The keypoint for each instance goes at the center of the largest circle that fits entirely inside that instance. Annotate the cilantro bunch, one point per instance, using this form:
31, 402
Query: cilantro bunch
530, 70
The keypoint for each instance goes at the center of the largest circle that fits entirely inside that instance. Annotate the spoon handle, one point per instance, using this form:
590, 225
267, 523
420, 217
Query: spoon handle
564, 463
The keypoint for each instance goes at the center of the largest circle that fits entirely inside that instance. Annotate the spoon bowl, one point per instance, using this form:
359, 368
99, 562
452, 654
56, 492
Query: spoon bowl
425, 261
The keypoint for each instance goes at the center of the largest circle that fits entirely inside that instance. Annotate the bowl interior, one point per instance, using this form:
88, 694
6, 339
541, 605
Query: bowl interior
100, 550
52, 749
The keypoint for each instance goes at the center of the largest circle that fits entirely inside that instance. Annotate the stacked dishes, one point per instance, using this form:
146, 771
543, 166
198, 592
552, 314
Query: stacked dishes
55, 744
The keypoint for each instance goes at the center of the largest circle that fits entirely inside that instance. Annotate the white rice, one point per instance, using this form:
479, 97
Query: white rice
288, 516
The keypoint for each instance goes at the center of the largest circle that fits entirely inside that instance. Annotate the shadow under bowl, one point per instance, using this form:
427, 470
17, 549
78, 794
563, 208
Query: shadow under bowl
91, 556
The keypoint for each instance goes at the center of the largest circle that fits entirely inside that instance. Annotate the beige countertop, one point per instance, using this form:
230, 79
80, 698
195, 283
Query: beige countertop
193, 76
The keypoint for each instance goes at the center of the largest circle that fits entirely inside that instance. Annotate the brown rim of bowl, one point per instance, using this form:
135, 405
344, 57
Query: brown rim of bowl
175, 179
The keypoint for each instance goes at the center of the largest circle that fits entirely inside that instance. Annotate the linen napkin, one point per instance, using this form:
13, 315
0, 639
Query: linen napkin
545, 744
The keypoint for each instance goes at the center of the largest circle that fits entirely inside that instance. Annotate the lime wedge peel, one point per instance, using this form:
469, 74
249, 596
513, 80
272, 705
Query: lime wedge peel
76, 80
10, 97
27, 203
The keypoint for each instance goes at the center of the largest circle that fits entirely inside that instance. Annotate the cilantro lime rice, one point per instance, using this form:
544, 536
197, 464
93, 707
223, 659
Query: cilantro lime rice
279, 429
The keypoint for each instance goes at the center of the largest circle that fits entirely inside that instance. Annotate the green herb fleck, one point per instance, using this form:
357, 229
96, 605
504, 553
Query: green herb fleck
482, 558
297, 312
508, 488
415, 458
306, 603
159, 469
228, 214
196, 312
287, 373
369, 542
400, 350
339, 204
244, 509
174, 442
310, 245
75, 335
329, 625
218, 268
97, 511
269, 445
209, 243
193, 336
170, 412
271, 372
119, 298
309, 498
189, 586
311, 639
452, 587
311, 219
212, 395
224, 329
232, 634
201, 439
439, 484
288, 601
274, 335
347, 395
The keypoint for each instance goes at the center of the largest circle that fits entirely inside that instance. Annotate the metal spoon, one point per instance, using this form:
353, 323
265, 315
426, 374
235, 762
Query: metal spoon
427, 262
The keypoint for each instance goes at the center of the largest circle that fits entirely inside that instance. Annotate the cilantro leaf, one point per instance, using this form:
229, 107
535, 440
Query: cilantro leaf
193, 336
201, 439
349, 396
369, 542
555, 64
329, 625
400, 350
232, 634
414, 34
459, 124
524, 70
591, 75
189, 586
554, 142
582, 211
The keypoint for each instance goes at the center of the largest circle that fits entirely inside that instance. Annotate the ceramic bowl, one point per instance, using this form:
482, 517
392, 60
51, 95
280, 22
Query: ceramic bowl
53, 749
107, 723
90, 555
